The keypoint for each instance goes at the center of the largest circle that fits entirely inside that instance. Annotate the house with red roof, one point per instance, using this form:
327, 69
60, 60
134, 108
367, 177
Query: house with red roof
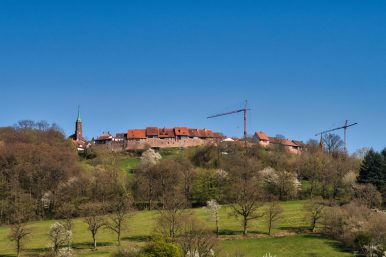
181, 132
293, 146
136, 134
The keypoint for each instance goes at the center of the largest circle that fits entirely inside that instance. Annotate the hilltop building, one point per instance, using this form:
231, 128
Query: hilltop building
106, 138
77, 138
168, 137
292, 146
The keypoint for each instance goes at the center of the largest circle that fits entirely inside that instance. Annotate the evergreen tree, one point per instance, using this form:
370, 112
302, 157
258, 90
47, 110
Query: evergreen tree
373, 170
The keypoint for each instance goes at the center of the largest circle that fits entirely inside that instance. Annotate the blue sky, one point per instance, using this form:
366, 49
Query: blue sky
304, 66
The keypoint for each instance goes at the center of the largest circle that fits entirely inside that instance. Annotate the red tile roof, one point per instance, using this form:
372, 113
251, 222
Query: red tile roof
104, 136
136, 134
203, 133
288, 143
217, 135
208, 132
262, 136
181, 131
166, 133
152, 131
171, 133
282, 141
194, 133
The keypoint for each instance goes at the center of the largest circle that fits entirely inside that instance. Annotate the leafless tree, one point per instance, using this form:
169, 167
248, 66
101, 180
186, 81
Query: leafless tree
333, 143
172, 214
120, 208
196, 240
246, 200
94, 220
154, 183
273, 214
187, 173
42, 125
314, 212
25, 124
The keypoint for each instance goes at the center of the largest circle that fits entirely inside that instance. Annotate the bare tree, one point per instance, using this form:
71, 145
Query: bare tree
94, 220
333, 143
18, 234
25, 124
314, 210
246, 200
188, 173
42, 125
171, 217
120, 208
155, 182
273, 214
245, 194
196, 240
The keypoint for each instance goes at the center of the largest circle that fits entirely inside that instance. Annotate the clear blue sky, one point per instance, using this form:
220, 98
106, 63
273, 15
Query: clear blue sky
304, 66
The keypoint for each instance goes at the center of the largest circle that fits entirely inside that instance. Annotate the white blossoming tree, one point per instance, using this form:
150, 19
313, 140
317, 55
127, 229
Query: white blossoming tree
213, 209
59, 237
150, 157
282, 183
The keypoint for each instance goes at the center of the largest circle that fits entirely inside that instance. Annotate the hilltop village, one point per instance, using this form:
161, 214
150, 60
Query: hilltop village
155, 137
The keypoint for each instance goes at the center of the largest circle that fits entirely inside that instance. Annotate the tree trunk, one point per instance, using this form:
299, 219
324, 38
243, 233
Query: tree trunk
95, 242
245, 226
269, 227
18, 248
313, 225
119, 238
217, 229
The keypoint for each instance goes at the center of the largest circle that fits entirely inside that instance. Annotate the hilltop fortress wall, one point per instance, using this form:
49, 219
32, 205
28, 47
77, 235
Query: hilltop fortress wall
166, 142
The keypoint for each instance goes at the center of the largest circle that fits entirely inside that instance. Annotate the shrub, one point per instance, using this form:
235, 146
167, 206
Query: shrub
129, 252
160, 248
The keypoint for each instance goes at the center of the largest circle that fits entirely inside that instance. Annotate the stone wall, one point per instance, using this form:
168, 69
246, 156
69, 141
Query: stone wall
169, 142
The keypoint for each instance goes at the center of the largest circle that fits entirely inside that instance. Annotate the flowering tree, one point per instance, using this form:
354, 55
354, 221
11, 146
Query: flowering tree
18, 233
59, 237
282, 183
213, 209
150, 157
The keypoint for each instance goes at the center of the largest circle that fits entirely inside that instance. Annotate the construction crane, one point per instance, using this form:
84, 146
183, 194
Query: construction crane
345, 127
245, 109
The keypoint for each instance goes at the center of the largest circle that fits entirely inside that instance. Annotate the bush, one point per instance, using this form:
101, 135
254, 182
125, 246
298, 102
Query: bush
161, 248
130, 252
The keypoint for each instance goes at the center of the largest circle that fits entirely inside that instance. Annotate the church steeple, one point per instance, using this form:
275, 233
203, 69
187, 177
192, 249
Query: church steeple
78, 127
78, 119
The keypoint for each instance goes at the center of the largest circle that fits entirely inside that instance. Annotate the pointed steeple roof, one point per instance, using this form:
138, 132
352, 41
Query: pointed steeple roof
78, 119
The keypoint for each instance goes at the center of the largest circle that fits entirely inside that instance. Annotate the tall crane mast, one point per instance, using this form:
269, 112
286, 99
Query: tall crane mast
244, 110
345, 127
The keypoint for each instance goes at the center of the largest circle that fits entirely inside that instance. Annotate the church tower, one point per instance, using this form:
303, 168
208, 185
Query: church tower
78, 127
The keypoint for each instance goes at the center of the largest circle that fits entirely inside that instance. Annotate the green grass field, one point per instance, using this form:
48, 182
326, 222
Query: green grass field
141, 225
289, 246
129, 163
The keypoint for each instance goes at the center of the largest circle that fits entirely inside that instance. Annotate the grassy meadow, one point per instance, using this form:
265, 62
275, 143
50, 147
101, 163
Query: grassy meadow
286, 243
